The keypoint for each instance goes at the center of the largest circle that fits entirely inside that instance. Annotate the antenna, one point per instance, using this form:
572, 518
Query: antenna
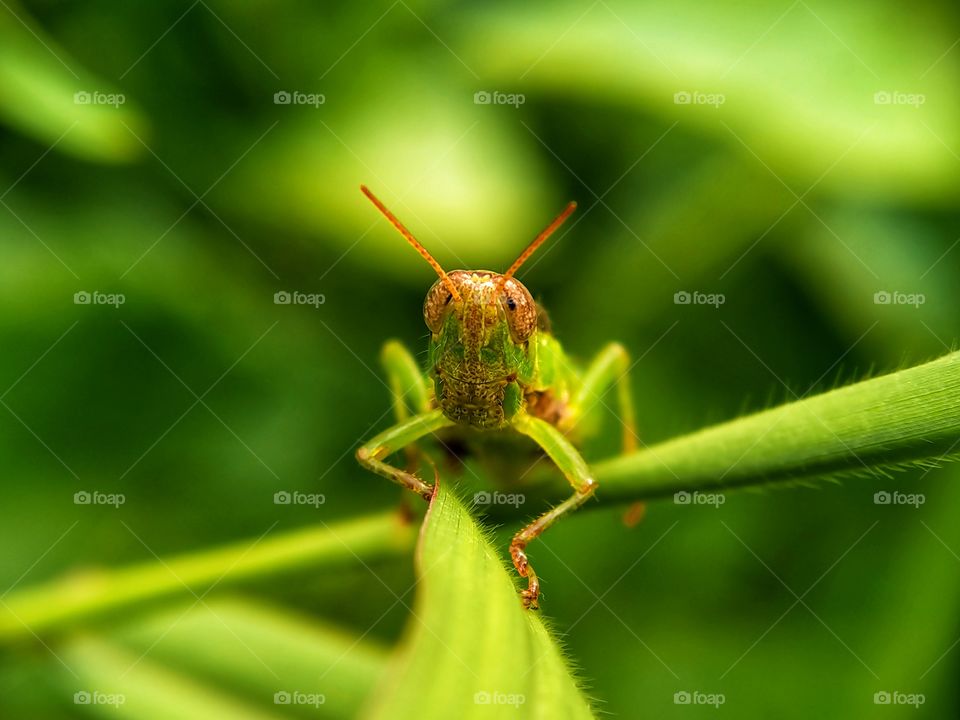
538, 241
413, 241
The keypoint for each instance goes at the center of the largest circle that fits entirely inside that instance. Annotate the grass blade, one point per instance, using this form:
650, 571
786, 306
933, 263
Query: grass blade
87, 596
256, 651
112, 683
910, 417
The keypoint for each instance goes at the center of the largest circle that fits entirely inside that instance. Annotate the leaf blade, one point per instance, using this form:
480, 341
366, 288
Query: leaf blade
472, 651
910, 417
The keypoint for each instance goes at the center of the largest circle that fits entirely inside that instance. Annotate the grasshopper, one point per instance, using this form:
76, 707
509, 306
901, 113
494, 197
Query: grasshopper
492, 366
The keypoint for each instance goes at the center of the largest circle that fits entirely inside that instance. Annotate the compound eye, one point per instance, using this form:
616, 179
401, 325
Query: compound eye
520, 309
435, 306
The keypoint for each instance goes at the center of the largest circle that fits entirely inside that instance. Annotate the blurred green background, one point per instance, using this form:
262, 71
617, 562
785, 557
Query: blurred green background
801, 159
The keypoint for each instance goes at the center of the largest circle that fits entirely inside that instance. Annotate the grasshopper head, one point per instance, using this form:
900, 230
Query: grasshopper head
481, 324
484, 335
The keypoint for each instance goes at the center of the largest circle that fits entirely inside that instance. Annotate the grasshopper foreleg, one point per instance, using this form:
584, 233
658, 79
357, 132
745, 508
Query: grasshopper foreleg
575, 469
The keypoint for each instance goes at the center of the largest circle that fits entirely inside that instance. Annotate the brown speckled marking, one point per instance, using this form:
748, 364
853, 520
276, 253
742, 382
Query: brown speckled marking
479, 405
483, 299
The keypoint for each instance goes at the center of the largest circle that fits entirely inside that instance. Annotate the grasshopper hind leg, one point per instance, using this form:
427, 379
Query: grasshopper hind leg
409, 393
611, 368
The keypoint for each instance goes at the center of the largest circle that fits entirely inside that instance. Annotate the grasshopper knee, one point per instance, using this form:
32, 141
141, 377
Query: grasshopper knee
587, 488
365, 455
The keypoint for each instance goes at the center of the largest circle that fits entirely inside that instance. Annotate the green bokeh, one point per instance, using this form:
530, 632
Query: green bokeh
816, 164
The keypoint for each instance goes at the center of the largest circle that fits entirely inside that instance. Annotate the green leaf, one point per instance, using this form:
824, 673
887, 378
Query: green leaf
87, 596
47, 94
910, 417
111, 682
472, 650
799, 83
257, 650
